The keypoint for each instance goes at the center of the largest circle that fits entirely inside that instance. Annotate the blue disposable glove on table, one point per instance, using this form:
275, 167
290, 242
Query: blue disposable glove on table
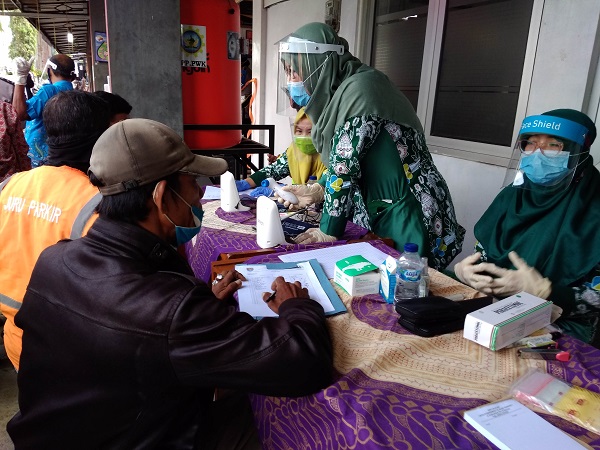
242, 185
262, 191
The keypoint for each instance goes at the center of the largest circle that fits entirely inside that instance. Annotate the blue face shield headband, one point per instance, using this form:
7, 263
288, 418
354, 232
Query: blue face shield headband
554, 126
545, 169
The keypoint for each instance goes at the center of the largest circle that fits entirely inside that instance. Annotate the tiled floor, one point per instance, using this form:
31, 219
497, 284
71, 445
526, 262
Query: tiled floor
8, 394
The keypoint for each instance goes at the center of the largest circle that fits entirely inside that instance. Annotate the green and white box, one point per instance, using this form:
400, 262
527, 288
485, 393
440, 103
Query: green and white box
506, 321
357, 276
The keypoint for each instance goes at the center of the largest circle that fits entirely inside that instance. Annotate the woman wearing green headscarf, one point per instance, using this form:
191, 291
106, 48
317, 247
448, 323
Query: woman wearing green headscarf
540, 234
380, 173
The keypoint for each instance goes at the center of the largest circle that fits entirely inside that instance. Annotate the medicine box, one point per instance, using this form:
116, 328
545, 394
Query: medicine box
357, 276
506, 321
387, 278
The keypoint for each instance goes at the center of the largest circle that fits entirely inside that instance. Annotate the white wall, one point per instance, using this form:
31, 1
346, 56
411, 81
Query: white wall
280, 20
473, 186
565, 75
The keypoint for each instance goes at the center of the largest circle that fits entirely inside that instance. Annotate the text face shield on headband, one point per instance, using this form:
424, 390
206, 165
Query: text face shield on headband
546, 154
299, 68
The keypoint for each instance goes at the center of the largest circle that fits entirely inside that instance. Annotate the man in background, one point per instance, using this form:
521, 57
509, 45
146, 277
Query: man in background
119, 107
61, 72
44, 205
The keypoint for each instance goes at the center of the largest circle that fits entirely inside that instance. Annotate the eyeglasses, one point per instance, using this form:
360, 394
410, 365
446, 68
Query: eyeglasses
548, 148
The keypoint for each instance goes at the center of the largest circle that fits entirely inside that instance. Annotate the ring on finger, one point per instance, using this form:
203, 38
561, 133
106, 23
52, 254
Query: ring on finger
218, 278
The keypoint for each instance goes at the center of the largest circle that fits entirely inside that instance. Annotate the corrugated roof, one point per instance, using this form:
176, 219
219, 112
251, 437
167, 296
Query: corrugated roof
54, 18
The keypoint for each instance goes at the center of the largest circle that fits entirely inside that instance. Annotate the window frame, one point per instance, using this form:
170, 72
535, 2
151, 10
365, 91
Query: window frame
473, 151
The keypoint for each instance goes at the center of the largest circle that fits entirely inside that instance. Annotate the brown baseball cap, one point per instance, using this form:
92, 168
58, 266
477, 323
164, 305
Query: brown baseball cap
136, 152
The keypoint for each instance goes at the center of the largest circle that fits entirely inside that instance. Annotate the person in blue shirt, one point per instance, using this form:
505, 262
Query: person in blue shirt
61, 72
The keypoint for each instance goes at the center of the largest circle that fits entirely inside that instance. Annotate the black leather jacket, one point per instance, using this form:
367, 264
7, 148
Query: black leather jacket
123, 347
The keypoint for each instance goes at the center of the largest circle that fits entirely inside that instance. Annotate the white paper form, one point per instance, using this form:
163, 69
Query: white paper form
250, 295
328, 256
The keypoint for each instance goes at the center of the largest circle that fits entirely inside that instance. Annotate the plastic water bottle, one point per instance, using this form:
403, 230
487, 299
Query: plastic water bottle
424, 285
408, 273
312, 179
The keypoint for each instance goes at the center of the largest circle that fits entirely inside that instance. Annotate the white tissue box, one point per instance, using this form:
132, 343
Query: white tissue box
506, 321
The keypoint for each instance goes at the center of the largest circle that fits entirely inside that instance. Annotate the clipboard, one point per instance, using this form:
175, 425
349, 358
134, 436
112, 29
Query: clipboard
260, 277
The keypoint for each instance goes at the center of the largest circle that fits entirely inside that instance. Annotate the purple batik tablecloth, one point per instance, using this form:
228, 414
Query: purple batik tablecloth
395, 390
223, 232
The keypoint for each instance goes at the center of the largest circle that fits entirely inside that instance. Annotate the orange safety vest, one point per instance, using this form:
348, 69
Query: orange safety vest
39, 207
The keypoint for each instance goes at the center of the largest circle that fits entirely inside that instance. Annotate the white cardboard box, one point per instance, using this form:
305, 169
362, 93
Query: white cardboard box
387, 276
506, 321
357, 276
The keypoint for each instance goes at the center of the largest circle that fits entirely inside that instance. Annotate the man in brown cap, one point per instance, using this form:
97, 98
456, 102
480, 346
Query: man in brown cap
123, 347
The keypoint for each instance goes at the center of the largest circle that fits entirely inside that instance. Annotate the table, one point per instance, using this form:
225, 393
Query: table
224, 232
396, 390
391, 389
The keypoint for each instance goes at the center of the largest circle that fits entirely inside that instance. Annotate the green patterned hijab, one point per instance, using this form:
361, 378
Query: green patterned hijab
344, 87
553, 230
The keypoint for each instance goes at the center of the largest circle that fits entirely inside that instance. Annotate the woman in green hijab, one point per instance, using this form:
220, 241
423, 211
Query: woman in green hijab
540, 234
380, 173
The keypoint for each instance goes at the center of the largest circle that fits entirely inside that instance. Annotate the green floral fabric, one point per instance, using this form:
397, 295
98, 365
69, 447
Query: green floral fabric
278, 170
382, 177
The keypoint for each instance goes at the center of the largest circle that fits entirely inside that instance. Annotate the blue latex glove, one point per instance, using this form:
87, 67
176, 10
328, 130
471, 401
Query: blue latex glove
262, 191
242, 185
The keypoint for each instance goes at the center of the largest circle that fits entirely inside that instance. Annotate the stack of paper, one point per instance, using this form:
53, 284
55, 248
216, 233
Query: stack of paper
512, 426
260, 276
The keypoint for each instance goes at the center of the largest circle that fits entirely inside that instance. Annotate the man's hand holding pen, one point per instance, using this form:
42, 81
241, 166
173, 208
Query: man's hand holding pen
282, 291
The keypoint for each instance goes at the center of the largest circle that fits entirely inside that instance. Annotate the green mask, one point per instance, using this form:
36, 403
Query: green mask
305, 144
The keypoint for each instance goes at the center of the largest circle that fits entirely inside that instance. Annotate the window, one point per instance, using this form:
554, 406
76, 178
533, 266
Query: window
398, 43
464, 66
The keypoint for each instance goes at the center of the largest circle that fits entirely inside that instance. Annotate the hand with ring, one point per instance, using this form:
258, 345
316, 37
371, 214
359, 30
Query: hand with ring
218, 278
225, 284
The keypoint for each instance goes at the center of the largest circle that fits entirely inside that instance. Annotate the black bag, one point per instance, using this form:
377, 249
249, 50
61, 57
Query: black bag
432, 316
6, 90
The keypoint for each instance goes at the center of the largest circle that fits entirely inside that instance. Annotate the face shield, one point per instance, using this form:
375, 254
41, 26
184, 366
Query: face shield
45, 76
300, 129
300, 64
547, 153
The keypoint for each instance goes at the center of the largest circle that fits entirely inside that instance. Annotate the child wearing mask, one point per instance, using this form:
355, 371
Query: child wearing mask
299, 161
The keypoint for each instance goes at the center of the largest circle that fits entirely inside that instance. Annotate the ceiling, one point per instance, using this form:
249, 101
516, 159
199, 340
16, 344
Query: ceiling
54, 18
